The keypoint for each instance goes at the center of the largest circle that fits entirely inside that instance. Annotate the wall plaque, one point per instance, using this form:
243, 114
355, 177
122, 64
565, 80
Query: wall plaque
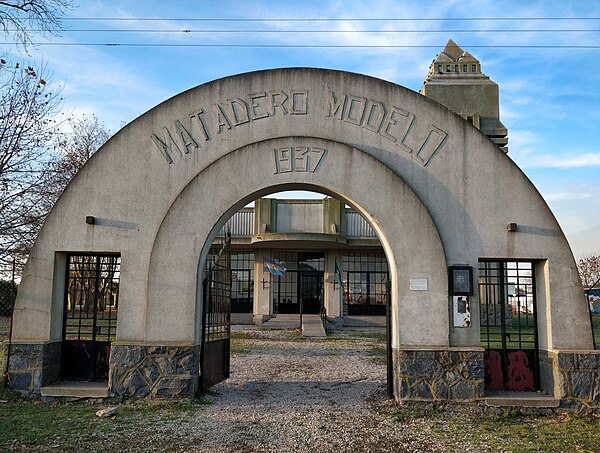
418, 284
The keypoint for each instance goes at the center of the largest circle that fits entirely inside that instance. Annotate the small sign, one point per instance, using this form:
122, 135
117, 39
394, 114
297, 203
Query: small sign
418, 284
460, 280
462, 311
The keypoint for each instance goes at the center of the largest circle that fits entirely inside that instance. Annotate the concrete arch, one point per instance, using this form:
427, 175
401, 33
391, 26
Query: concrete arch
467, 190
406, 230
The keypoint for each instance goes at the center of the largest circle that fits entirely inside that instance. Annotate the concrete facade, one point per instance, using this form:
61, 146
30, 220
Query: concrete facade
322, 226
436, 191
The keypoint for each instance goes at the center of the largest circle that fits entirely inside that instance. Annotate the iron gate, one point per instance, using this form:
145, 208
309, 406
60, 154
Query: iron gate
508, 325
216, 316
90, 316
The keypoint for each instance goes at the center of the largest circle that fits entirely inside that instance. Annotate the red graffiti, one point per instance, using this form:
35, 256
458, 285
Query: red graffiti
494, 379
520, 373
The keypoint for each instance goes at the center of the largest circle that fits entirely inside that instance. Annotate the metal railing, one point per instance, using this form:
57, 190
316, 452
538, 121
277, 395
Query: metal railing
592, 297
357, 226
8, 295
240, 224
323, 313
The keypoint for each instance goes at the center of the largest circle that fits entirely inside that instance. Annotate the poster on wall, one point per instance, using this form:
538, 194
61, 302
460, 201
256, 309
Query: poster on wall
460, 280
462, 311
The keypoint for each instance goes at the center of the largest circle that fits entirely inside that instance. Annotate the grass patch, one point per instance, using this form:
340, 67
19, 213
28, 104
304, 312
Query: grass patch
377, 354
377, 336
269, 335
509, 430
237, 347
31, 424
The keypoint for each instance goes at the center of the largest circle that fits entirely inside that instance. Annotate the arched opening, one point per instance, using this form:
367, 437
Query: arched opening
286, 245
311, 262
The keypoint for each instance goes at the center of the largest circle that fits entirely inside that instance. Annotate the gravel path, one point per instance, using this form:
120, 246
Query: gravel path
285, 394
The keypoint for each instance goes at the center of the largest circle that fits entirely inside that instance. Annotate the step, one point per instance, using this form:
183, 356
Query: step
364, 321
312, 326
282, 321
521, 399
76, 389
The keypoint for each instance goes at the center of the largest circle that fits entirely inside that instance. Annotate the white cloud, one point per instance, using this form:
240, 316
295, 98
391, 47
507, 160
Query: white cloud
521, 139
591, 159
571, 194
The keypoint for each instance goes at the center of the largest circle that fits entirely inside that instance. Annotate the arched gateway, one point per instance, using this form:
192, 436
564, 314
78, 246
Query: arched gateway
438, 193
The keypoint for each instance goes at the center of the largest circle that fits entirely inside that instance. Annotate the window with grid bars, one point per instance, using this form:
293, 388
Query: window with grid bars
92, 297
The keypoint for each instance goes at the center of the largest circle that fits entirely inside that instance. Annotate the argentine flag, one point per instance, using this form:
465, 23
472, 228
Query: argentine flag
273, 267
338, 274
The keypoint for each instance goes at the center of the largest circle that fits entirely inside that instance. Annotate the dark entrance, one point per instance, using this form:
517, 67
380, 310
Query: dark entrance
365, 279
90, 316
365, 293
508, 325
242, 282
216, 316
301, 285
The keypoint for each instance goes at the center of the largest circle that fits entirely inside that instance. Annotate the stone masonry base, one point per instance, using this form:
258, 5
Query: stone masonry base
31, 366
451, 374
155, 371
572, 376
437, 375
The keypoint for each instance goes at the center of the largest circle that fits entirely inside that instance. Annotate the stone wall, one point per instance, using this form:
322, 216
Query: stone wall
156, 371
572, 376
31, 366
438, 374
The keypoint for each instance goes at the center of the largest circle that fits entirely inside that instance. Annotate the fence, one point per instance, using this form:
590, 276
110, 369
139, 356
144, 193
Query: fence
593, 299
9, 276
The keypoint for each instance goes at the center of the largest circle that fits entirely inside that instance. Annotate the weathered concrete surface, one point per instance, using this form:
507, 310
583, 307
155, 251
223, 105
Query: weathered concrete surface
435, 189
312, 326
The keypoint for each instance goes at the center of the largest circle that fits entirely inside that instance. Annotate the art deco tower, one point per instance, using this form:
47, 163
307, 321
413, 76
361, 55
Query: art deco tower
455, 80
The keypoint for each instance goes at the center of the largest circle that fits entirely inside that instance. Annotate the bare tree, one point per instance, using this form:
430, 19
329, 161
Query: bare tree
22, 19
589, 270
27, 124
28, 109
79, 138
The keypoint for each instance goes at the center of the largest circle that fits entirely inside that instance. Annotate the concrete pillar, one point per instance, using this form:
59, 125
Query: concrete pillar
333, 297
262, 292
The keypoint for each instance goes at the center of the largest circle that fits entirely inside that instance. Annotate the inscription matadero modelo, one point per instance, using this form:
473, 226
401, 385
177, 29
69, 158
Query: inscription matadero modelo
420, 177
390, 122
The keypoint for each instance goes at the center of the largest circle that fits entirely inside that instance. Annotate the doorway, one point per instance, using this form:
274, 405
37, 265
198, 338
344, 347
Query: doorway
508, 325
90, 316
301, 287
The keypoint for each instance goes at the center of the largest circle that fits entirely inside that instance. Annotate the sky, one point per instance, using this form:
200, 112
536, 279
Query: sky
549, 97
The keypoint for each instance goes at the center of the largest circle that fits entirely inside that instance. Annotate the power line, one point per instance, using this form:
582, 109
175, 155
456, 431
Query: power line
324, 19
187, 30
316, 46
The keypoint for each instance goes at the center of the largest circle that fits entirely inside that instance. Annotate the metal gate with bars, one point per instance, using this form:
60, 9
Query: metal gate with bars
90, 316
216, 317
508, 325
